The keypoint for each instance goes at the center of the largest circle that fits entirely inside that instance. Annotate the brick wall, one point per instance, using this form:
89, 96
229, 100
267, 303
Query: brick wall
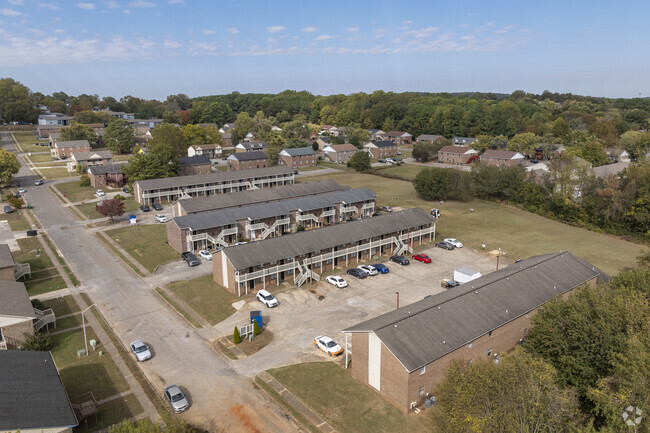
16, 333
7, 274
176, 237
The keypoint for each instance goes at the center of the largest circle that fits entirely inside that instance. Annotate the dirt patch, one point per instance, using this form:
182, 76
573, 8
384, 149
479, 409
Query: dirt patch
244, 418
259, 342
318, 294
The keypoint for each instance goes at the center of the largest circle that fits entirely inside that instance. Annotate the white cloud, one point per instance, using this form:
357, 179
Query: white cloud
175, 2
16, 2
112, 4
208, 32
142, 4
353, 29
232, 30
37, 32
49, 6
126, 11
10, 12
324, 38
275, 29
422, 33
87, 6
59, 31
309, 29
171, 44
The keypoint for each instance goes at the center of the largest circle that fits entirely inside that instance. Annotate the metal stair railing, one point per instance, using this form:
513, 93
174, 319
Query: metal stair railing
22, 269
44, 318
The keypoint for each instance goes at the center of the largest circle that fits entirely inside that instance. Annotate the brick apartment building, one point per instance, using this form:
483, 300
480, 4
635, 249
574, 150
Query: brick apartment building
339, 153
502, 158
68, 148
247, 160
399, 137
191, 165
106, 175
297, 157
381, 149
457, 155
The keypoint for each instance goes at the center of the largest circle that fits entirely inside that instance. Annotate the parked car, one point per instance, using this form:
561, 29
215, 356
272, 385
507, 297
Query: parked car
100, 193
176, 399
386, 209
357, 273
39, 182
191, 259
140, 350
8, 209
205, 255
21, 190
145, 208
382, 269
156, 206
125, 189
267, 299
448, 284
381, 161
445, 245
337, 281
328, 345
295, 171
63, 157
161, 218
398, 159
401, 260
368, 270
454, 242
435, 213
389, 160
422, 258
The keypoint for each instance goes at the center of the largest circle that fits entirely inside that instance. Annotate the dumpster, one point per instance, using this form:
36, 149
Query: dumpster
32, 232
257, 316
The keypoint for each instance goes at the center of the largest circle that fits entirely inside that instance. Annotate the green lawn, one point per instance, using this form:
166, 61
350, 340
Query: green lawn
89, 211
62, 306
56, 173
38, 260
74, 192
518, 233
146, 243
41, 157
206, 297
112, 412
407, 172
344, 403
310, 168
26, 139
41, 286
16, 220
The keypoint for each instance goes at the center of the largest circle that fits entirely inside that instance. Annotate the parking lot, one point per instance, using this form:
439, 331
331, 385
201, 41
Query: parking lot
322, 309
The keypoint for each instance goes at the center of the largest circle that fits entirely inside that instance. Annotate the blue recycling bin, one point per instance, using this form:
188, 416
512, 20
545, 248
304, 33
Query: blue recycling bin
257, 316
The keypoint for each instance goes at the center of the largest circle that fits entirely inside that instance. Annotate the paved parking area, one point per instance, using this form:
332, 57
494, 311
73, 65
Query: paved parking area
301, 315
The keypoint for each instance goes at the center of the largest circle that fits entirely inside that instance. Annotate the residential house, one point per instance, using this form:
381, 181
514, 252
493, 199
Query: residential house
297, 157
44, 131
145, 123
191, 165
340, 153
404, 353
399, 137
109, 175
377, 135
323, 141
463, 141
247, 161
7, 264
617, 155
16, 315
227, 138
54, 119
427, 138
53, 137
605, 170
210, 150
252, 146
457, 155
85, 159
502, 158
69, 148
381, 149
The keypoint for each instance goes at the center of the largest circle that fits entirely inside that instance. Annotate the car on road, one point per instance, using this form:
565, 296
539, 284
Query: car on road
140, 350
39, 182
422, 258
401, 260
267, 299
445, 245
455, 242
382, 269
386, 209
176, 399
358, 273
191, 259
21, 190
397, 159
161, 218
100, 193
205, 255
8, 209
368, 270
145, 208
156, 206
328, 345
337, 281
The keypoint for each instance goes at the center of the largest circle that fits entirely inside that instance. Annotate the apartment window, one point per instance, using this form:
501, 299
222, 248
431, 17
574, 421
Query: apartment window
423, 369
273, 262
489, 352
421, 390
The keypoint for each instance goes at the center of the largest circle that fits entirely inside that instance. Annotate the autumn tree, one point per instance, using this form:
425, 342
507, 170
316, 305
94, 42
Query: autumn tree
119, 136
9, 166
442, 184
360, 161
79, 131
111, 208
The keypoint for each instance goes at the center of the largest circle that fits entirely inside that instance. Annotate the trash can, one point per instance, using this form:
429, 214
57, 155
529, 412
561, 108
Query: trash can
32, 232
257, 316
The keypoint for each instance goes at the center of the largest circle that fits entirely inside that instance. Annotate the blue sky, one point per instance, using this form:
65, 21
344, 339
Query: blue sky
154, 48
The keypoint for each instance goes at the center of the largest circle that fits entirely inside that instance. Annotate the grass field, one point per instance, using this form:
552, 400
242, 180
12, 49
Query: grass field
41, 157
16, 220
345, 404
74, 192
26, 140
89, 211
205, 297
518, 233
57, 173
407, 172
62, 306
145, 243
112, 412
45, 278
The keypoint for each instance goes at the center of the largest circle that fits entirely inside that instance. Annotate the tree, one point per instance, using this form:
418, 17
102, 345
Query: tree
256, 328
111, 208
497, 182
442, 184
243, 125
37, 342
9, 166
16, 102
84, 180
424, 152
161, 161
358, 137
217, 112
194, 135
119, 136
524, 143
360, 161
171, 135
236, 338
79, 131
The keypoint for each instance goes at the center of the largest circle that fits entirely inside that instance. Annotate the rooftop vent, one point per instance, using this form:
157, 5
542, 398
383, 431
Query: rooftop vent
395, 326
438, 308
476, 292
506, 311
444, 342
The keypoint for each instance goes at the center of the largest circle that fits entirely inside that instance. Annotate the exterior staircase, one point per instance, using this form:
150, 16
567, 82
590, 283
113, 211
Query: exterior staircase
402, 247
267, 232
22, 269
44, 318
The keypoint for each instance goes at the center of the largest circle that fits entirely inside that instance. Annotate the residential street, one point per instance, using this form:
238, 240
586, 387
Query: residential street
220, 399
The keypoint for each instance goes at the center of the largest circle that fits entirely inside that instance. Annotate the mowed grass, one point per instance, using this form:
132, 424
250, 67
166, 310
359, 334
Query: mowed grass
90, 212
407, 172
16, 220
74, 192
145, 243
56, 173
112, 412
41, 157
518, 233
345, 404
27, 140
206, 297
62, 306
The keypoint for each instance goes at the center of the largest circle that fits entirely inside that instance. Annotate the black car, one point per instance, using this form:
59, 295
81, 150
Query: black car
126, 189
445, 245
191, 259
401, 260
8, 209
157, 206
145, 208
358, 273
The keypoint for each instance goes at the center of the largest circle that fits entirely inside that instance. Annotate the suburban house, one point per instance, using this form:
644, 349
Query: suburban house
502, 158
226, 127
33, 398
381, 149
404, 353
86, 159
617, 155
209, 150
172, 188
297, 157
605, 170
190, 165
399, 137
427, 138
109, 175
256, 196
323, 141
224, 227
68, 148
339, 153
300, 256
247, 161
54, 119
457, 155
227, 138
250, 146
18, 319
463, 141
377, 135
44, 131
53, 137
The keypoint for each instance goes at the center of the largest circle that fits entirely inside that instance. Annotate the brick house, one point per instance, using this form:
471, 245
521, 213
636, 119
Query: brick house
502, 158
381, 149
403, 354
340, 153
377, 135
209, 150
456, 155
297, 157
427, 138
399, 137
16, 314
86, 159
250, 146
227, 138
106, 175
68, 148
7, 264
247, 161
190, 165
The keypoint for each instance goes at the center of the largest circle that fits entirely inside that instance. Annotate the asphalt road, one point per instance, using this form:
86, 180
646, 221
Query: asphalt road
220, 399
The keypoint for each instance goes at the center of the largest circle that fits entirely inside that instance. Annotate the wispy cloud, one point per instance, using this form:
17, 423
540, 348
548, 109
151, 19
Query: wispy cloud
171, 44
208, 32
16, 2
112, 4
324, 38
353, 29
142, 4
87, 6
10, 12
421, 33
232, 30
275, 29
50, 6
309, 29
59, 31
175, 2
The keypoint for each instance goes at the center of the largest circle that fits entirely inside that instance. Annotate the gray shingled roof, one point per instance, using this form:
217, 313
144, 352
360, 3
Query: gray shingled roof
33, 396
72, 143
384, 143
500, 154
262, 195
224, 217
85, 156
14, 300
428, 137
201, 179
186, 161
249, 156
424, 331
299, 151
268, 250
6, 259
105, 169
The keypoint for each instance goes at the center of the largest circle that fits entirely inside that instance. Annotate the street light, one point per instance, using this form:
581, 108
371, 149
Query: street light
83, 324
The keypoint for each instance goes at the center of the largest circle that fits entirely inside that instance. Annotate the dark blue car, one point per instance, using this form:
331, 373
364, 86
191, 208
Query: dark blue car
382, 269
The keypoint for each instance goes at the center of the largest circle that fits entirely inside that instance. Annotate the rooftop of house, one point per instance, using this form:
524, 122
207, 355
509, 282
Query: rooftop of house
14, 301
461, 150
298, 151
428, 137
347, 147
86, 156
248, 156
606, 170
105, 169
188, 161
398, 134
502, 154
6, 259
383, 143
72, 143
206, 146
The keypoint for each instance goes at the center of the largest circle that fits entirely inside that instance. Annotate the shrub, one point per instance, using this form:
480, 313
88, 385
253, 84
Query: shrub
300, 228
119, 197
37, 342
84, 181
256, 328
36, 303
15, 202
236, 338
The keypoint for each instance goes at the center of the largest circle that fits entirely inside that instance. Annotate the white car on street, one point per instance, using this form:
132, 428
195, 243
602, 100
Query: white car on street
267, 299
336, 281
328, 345
205, 255
161, 218
21, 190
455, 242
140, 350
370, 270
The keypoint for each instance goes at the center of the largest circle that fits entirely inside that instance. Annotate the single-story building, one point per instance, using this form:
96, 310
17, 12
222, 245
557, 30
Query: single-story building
172, 188
299, 257
297, 157
57, 119
465, 275
209, 150
250, 146
381, 149
399, 137
463, 141
247, 161
223, 227
188, 206
502, 158
457, 155
106, 175
339, 153
427, 138
191, 165
86, 159
16, 315
404, 353
68, 148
